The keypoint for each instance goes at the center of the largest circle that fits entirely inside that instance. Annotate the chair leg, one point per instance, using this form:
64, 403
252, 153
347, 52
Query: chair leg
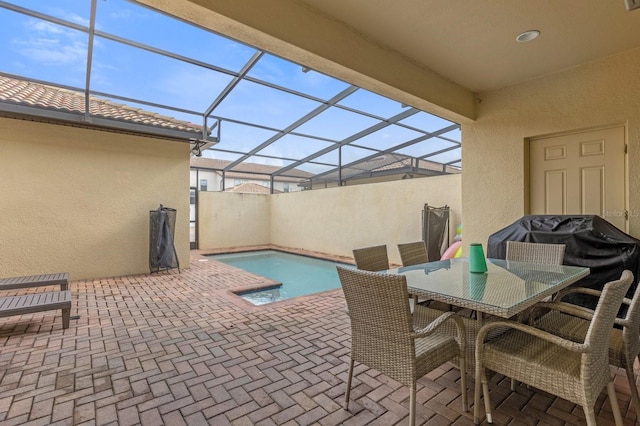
614, 403
476, 402
485, 395
590, 416
476, 399
348, 392
463, 383
635, 398
412, 405
481, 380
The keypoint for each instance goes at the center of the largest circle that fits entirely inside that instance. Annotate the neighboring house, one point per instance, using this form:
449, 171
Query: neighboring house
207, 174
252, 188
383, 168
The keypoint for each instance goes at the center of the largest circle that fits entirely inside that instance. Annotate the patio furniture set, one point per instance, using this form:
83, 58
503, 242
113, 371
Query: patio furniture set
520, 328
520, 324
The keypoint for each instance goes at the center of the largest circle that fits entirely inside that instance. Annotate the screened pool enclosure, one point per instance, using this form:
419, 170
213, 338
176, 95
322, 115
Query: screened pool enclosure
231, 101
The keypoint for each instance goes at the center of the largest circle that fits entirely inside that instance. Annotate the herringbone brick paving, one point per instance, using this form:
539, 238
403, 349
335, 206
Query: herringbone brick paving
179, 349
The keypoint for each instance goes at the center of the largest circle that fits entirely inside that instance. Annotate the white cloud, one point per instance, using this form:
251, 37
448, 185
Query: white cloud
44, 27
121, 14
49, 52
268, 161
78, 19
68, 15
51, 44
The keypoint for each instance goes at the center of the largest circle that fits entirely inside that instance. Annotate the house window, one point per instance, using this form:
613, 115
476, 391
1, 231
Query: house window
286, 187
265, 183
203, 184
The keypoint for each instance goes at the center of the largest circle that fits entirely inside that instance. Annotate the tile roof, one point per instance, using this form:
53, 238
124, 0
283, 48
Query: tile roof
28, 93
252, 188
249, 168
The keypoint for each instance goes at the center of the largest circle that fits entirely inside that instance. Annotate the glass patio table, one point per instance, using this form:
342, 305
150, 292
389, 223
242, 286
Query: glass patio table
506, 289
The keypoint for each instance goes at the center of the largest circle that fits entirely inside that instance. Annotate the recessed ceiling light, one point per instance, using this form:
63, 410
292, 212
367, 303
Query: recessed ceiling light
528, 36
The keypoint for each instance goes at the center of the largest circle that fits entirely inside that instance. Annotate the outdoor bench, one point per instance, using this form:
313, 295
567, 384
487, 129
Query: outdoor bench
37, 302
13, 283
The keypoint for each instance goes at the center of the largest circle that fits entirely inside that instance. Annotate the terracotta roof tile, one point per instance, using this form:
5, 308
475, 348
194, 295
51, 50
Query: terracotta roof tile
251, 188
56, 98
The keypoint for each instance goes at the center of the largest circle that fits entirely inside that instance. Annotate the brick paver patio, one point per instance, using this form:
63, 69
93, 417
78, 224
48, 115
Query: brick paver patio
179, 349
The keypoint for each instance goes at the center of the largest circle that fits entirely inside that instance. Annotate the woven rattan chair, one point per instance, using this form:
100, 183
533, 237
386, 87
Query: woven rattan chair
624, 343
550, 254
413, 253
375, 259
577, 372
371, 258
385, 335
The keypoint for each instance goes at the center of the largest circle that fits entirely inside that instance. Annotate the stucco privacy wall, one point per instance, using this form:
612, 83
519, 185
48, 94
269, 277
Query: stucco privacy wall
78, 200
333, 220
598, 94
337, 220
230, 219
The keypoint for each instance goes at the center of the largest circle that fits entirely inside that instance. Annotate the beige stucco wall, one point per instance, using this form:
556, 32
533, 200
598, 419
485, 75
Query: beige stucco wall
334, 220
78, 200
337, 220
230, 219
494, 178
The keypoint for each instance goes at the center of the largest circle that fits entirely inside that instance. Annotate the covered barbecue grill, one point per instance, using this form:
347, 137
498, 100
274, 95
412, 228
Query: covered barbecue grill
590, 242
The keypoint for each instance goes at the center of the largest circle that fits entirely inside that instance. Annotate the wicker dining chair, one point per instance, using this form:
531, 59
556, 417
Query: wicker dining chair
385, 335
577, 372
624, 343
413, 253
371, 258
549, 254
375, 259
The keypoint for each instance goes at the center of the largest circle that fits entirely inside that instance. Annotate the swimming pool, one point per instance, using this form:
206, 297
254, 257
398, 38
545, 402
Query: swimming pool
299, 275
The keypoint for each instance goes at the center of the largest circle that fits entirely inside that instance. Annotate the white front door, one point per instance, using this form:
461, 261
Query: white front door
580, 173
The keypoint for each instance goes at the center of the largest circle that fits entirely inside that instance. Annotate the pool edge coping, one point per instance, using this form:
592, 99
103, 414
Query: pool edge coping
233, 293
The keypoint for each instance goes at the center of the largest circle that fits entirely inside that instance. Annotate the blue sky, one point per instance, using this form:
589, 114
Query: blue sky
43, 50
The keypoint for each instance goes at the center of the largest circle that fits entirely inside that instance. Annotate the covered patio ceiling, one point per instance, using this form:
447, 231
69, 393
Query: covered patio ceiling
249, 105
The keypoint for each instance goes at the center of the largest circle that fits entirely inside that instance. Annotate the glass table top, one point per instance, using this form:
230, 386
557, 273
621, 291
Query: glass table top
507, 288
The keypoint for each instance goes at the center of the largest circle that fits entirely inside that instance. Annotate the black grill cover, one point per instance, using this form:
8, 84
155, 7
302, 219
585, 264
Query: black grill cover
162, 251
590, 241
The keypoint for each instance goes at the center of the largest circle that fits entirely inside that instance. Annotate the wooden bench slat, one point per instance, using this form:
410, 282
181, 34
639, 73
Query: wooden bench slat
58, 278
14, 302
29, 303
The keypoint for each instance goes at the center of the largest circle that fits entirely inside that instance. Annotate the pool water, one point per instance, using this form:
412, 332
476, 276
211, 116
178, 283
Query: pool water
299, 275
